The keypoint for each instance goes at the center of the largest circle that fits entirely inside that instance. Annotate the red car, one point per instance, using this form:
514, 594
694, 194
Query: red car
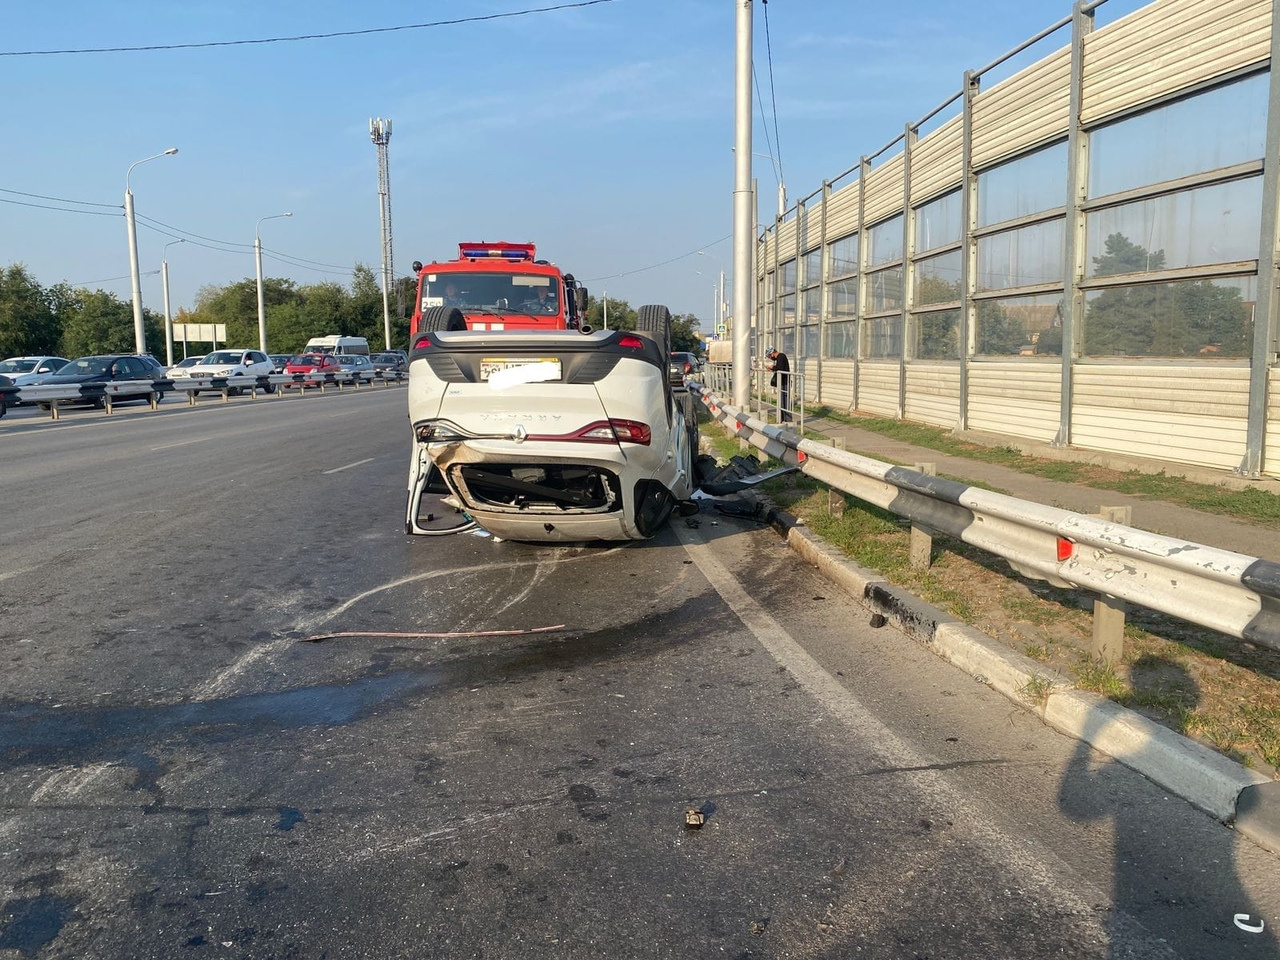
315, 365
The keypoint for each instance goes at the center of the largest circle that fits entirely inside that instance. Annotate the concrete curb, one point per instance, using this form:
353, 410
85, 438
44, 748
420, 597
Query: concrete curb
1223, 788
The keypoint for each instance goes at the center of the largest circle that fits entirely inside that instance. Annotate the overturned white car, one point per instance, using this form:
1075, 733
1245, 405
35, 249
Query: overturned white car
547, 435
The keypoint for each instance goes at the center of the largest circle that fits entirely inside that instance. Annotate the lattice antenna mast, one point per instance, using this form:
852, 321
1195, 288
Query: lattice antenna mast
380, 134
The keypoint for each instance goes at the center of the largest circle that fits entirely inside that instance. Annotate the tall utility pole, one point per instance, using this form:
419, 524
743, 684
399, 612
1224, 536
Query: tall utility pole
380, 134
743, 242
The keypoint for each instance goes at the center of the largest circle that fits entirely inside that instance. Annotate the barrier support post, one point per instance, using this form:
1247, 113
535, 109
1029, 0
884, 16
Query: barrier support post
1109, 612
922, 537
835, 498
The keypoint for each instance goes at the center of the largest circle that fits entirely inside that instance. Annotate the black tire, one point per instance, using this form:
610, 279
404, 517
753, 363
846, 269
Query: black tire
195, 393
159, 396
653, 320
43, 405
442, 318
3, 406
99, 403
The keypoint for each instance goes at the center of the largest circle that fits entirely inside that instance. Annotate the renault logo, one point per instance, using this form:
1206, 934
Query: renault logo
519, 434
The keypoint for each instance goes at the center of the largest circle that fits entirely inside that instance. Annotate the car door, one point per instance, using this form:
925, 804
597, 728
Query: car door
133, 370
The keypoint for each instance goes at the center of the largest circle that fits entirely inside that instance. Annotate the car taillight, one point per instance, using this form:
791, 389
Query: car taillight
422, 343
631, 342
604, 431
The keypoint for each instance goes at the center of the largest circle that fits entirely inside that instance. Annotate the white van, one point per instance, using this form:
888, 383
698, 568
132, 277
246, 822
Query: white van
336, 344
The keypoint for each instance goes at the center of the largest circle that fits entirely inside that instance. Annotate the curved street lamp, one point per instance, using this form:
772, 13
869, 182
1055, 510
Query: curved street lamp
139, 331
257, 256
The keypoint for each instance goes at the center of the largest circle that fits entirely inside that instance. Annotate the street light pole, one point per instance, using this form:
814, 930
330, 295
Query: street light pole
168, 318
139, 330
257, 256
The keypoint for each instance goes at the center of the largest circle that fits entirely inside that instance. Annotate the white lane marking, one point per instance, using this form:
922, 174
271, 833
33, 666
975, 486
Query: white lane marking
180, 443
1043, 868
349, 466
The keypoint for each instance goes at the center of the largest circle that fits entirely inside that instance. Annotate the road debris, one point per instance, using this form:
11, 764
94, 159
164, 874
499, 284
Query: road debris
1242, 921
694, 818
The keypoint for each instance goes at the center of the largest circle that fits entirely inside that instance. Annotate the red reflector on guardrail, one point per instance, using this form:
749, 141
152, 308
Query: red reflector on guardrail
1065, 549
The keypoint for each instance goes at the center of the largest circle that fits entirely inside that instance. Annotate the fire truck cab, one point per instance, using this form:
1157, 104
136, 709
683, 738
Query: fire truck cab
500, 286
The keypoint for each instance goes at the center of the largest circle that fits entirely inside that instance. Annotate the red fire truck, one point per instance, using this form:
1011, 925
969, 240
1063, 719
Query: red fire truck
500, 286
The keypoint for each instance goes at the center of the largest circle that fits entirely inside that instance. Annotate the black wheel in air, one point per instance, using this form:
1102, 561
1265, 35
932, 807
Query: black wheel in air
653, 320
442, 318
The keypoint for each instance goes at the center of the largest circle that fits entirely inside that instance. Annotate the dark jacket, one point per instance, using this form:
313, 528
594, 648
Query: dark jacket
780, 365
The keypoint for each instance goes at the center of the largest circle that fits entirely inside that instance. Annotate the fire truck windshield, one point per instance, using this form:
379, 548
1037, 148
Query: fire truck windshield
492, 292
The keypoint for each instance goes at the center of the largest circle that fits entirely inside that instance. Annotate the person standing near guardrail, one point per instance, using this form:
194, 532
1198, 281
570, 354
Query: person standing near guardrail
781, 379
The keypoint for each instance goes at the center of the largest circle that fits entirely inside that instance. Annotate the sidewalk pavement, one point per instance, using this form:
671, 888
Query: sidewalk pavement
1154, 516
1243, 798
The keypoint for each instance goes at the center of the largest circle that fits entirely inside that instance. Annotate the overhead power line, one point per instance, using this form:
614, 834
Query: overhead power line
45, 206
773, 96
227, 246
307, 36
40, 196
654, 266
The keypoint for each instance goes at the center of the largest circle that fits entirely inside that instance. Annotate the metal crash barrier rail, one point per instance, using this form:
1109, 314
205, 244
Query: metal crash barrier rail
1225, 591
102, 395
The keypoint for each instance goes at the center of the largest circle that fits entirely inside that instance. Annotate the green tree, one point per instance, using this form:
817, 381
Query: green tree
100, 322
1175, 319
236, 305
683, 337
621, 316
366, 315
28, 324
1000, 335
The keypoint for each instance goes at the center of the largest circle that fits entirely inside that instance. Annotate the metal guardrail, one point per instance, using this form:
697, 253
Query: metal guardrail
1225, 591
107, 392
765, 400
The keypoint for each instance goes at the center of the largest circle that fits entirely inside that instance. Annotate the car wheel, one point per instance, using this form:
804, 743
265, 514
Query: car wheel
159, 396
443, 318
654, 321
3, 407
99, 403
46, 407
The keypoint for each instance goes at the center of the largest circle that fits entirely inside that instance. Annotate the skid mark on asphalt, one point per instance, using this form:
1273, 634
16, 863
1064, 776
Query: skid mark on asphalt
219, 685
1059, 883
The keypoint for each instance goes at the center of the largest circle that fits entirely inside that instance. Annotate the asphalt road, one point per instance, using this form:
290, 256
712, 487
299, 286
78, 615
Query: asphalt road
183, 775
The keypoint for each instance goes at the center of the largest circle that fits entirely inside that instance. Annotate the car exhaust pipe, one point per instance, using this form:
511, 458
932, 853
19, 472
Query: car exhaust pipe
586, 328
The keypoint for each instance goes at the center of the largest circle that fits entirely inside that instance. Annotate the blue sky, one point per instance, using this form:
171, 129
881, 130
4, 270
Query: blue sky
602, 133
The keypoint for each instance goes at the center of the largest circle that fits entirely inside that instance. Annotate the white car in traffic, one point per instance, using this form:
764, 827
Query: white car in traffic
232, 363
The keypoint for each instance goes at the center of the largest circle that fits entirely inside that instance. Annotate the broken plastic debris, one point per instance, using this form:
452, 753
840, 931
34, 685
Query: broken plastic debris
1242, 921
694, 818
758, 926
480, 532
878, 620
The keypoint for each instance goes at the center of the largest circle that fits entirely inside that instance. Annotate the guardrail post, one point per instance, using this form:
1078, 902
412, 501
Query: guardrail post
152, 399
1109, 612
922, 537
835, 498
